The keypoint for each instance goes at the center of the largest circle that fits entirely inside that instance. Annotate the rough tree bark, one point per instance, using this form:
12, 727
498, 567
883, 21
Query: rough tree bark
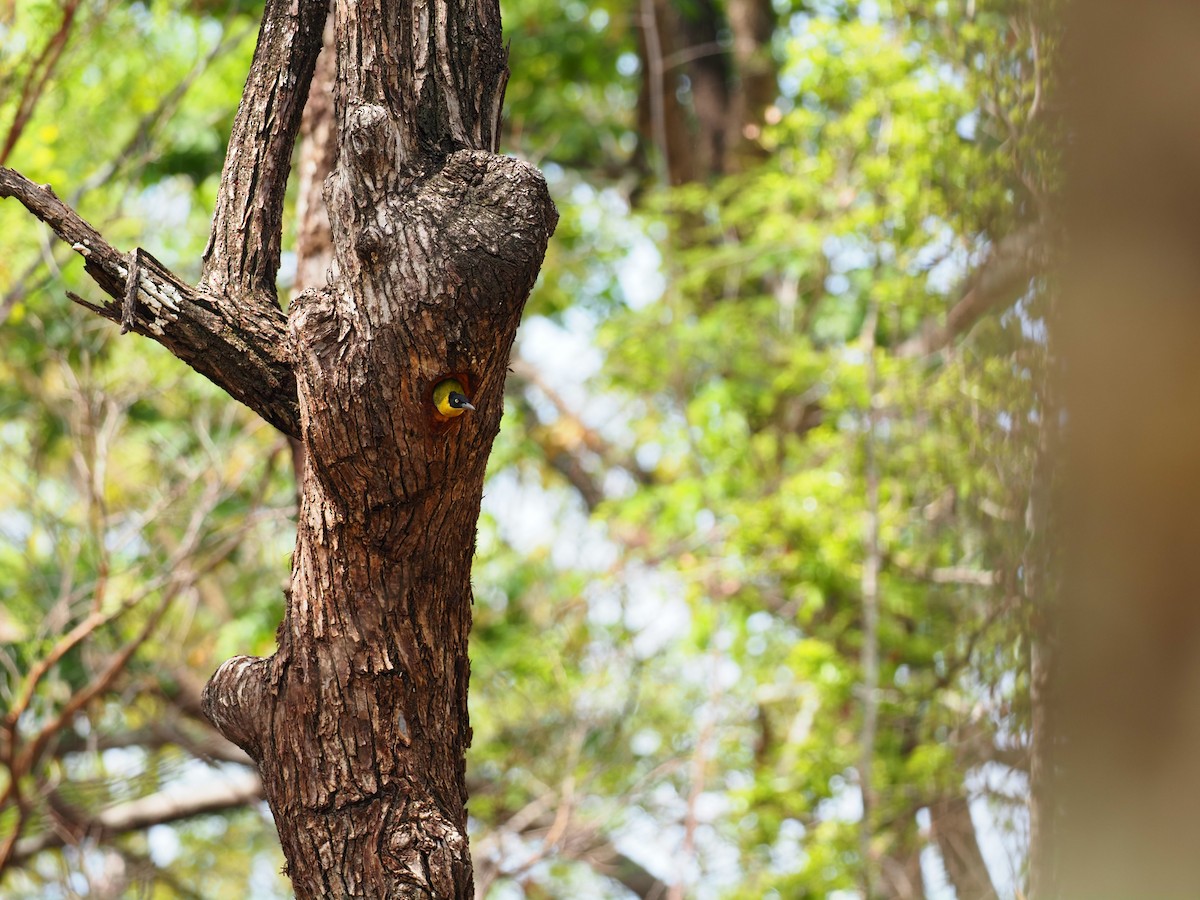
358, 724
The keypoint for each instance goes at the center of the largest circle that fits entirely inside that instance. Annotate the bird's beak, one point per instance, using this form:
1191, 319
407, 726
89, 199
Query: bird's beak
466, 404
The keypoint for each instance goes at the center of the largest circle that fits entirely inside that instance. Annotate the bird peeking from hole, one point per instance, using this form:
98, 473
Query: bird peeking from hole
450, 398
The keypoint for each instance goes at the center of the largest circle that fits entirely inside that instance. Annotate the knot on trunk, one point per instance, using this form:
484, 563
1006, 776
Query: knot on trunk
372, 142
233, 701
504, 219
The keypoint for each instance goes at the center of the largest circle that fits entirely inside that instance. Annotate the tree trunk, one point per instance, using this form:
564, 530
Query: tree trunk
730, 92
359, 722
1127, 675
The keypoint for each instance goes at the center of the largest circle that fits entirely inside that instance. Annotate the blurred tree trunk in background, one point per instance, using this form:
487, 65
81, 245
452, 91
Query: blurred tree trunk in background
1129, 682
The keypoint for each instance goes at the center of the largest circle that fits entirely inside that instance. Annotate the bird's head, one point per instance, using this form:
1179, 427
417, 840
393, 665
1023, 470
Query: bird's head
450, 398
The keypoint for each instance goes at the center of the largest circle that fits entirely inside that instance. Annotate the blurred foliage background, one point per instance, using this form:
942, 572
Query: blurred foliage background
758, 587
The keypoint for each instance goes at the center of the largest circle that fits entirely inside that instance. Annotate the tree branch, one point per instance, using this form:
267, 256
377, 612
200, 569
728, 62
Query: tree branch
134, 152
172, 805
139, 145
566, 441
583, 842
954, 832
207, 746
563, 459
317, 157
39, 75
1002, 278
246, 356
230, 329
242, 256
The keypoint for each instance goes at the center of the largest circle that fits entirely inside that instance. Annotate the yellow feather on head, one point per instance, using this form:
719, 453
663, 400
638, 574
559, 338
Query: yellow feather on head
450, 398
